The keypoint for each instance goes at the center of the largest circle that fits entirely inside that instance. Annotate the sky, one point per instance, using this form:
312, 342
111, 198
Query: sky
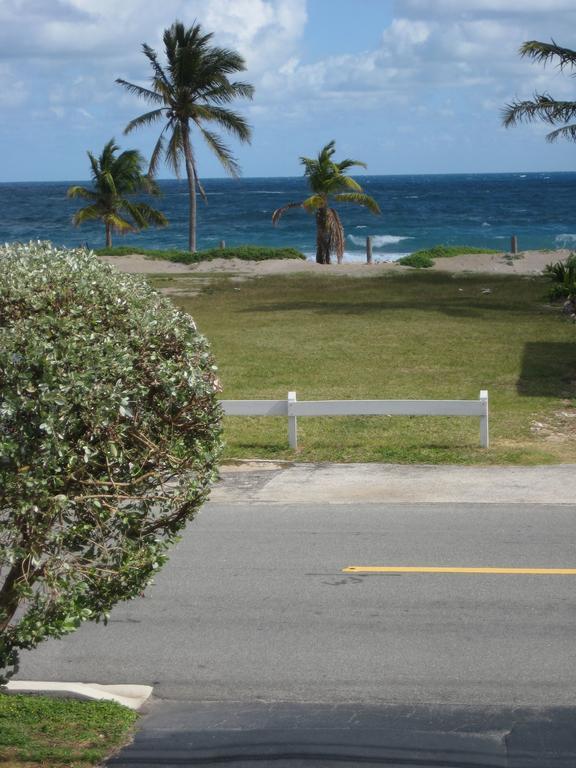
407, 86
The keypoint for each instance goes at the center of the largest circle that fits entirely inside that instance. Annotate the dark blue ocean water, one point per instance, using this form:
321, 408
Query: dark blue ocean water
417, 212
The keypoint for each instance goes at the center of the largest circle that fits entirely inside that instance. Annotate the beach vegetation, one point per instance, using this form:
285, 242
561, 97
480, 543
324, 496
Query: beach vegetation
60, 732
189, 92
109, 437
329, 182
115, 179
242, 252
562, 275
417, 334
543, 107
425, 258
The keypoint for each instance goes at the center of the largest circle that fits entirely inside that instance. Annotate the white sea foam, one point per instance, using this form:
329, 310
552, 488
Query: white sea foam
353, 257
565, 240
378, 241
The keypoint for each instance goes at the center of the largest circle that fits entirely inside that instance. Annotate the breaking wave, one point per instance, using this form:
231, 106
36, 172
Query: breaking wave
378, 241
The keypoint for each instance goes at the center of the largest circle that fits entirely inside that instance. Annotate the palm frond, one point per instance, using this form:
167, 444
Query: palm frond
346, 182
146, 119
157, 153
152, 56
152, 216
230, 121
345, 164
119, 224
314, 202
221, 151
360, 199
175, 149
279, 212
224, 92
86, 194
542, 107
545, 52
199, 186
566, 132
89, 213
143, 93
336, 233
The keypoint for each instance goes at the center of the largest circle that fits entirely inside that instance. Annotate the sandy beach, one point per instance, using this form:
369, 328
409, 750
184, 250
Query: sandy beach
524, 263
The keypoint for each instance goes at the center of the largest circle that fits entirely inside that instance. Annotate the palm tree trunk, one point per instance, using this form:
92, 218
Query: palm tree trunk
108, 235
322, 237
191, 187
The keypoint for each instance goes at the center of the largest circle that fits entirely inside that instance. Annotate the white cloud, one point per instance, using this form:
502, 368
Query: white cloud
435, 8
70, 52
13, 92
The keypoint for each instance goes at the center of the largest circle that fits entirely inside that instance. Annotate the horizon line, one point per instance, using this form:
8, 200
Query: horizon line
356, 175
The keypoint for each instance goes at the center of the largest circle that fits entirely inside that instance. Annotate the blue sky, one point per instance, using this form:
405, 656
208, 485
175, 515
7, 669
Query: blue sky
412, 86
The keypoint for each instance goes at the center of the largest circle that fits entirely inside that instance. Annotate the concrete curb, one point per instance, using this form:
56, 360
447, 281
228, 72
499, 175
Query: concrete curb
395, 484
131, 696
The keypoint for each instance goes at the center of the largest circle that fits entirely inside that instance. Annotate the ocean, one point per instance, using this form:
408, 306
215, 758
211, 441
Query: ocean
482, 210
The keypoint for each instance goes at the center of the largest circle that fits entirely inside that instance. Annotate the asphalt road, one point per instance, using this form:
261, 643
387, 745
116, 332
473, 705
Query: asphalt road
253, 621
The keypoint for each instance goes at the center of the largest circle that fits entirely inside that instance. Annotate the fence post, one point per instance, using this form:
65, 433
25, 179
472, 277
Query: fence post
292, 422
484, 436
368, 250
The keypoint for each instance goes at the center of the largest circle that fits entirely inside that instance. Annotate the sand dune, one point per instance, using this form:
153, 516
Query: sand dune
524, 263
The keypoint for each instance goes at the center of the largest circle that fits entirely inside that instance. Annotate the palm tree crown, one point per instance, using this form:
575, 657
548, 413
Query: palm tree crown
543, 106
328, 181
114, 178
191, 90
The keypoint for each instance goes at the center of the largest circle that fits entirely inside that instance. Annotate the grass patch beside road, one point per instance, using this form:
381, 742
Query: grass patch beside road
417, 335
40, 730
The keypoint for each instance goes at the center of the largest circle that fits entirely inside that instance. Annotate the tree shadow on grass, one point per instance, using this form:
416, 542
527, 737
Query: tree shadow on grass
453, 307
548, 369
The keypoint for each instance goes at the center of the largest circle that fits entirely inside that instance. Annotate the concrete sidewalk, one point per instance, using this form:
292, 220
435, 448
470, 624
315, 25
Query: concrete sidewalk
271, 482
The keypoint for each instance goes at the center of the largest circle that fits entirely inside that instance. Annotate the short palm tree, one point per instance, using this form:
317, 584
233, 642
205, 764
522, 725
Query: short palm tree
543, 106
327, 181
115, 178
190, 91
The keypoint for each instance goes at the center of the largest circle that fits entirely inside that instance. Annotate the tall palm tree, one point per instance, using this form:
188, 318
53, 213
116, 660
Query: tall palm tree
543, 106
327, 181
191, 90
114, 178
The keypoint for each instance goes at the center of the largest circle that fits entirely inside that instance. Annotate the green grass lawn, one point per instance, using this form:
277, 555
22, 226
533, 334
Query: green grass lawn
418, 335
40, 730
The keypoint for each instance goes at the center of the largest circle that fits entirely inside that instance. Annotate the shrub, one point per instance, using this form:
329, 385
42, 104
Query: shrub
109, 436
425, 258
418, 260
244, 252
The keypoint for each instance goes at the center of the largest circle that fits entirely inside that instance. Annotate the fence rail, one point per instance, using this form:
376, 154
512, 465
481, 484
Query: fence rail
292, 408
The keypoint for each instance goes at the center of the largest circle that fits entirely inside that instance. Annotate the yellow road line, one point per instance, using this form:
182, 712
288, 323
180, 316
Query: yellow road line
434, 569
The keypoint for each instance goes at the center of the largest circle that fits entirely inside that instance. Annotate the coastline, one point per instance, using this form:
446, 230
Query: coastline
523, 263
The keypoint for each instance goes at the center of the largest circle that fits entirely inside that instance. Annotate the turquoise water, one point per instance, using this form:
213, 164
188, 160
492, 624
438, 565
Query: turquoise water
417, 211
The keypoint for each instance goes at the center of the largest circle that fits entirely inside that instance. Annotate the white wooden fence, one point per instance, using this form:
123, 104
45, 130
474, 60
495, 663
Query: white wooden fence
292, 408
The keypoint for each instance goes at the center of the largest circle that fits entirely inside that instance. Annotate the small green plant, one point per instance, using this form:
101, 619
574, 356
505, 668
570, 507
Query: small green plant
425, 257
109, 437
244, 252
418, 260
562, 275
